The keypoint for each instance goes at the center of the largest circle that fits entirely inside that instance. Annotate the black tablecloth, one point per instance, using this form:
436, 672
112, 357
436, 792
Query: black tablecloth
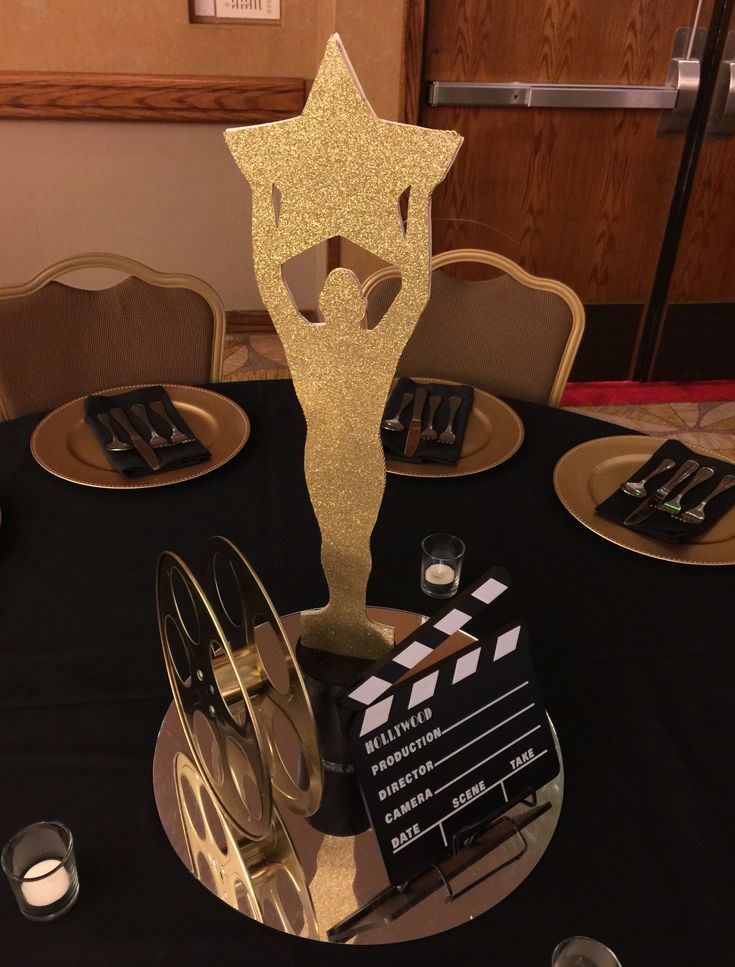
636, 661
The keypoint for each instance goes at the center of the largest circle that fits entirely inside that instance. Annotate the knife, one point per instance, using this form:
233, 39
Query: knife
414, 431
652, 504
136, 439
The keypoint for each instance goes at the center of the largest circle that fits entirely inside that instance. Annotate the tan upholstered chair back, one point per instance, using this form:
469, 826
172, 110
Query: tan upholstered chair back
59, 342
514, 335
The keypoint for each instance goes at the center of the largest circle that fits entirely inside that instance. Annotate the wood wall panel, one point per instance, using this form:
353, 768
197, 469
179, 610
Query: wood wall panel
705, 265
581, 196
698, 342
132, 97
554, 41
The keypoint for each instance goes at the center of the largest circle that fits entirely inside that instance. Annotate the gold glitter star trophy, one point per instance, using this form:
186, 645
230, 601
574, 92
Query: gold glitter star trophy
338, 170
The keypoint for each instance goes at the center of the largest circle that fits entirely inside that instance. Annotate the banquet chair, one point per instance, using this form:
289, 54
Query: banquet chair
514, 335
58, 342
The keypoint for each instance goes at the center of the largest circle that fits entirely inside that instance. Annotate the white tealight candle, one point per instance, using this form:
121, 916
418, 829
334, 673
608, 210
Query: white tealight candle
40, 893
439, 574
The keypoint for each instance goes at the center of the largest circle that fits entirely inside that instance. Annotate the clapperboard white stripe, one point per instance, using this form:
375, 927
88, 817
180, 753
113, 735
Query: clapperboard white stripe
415, 647
376, 715
491, 648
466, 665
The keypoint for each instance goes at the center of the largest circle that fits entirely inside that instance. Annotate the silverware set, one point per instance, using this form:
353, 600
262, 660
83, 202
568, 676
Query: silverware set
429, 433
144, 447
661, 499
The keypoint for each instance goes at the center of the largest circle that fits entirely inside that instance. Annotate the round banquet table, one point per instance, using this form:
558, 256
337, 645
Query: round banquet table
635, 658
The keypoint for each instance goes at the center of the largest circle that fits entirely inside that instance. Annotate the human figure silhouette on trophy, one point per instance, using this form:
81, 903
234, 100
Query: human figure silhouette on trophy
341, 363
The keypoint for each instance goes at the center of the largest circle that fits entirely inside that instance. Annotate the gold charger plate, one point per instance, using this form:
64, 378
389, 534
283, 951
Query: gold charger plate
63, 444
494, 433
590, 472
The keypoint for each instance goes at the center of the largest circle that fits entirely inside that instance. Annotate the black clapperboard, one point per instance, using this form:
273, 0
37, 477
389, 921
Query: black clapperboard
446, 738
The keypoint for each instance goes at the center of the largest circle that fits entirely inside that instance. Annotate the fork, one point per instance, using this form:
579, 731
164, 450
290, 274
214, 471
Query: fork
155, 438
176, 435
447, 435
695, 515
673, 506
430, 433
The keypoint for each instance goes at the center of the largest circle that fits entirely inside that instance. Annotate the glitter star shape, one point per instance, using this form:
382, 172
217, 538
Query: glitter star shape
339, 169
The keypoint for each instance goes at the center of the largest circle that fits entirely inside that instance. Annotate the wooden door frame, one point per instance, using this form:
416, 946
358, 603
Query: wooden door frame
412, 60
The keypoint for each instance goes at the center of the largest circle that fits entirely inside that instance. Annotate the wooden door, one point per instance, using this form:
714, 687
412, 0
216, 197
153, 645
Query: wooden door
574, 194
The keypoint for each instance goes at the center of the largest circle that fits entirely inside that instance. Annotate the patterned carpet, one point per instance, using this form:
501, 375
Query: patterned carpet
710, 426
707, 425
255, 355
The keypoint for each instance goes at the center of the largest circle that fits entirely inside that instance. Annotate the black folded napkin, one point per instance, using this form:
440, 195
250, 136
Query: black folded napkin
129, 462
661, 525
429, 451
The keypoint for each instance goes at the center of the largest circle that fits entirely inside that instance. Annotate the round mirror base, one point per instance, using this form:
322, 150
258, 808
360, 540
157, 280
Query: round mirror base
337, 875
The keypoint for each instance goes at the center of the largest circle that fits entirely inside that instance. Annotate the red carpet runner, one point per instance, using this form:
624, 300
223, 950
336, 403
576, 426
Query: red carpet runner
627, 391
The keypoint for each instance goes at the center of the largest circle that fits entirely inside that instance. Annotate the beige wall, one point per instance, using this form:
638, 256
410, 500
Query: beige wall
372, 32
167, 194
154, 37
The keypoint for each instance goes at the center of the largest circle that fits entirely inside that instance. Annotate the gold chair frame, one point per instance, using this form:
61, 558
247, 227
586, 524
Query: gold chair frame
130, 267
514, 270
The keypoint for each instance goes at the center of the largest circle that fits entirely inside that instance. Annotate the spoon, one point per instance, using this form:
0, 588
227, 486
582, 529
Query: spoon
115, 445
637, 488
394, 423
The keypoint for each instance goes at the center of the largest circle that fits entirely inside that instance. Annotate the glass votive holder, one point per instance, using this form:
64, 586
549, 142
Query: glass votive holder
42, 871
583, 952
441, 565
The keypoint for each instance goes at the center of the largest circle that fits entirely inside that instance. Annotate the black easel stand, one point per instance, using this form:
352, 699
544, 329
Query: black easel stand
470, 845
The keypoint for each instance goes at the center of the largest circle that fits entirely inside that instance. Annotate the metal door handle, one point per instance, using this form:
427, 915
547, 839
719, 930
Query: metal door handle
516, 94
721, 121
676, 97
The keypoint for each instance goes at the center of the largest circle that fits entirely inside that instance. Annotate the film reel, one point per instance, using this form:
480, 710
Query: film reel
210, 692
268, 664
262, 879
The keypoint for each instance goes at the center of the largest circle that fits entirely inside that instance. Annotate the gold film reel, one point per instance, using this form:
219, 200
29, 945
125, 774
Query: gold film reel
267, 664
211, 694
262, 879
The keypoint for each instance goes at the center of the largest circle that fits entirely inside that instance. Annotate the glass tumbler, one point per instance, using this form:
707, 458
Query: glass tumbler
40, 866
583, 952
441, 565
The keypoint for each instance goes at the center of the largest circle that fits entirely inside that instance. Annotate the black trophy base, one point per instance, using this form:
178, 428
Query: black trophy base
342, 810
